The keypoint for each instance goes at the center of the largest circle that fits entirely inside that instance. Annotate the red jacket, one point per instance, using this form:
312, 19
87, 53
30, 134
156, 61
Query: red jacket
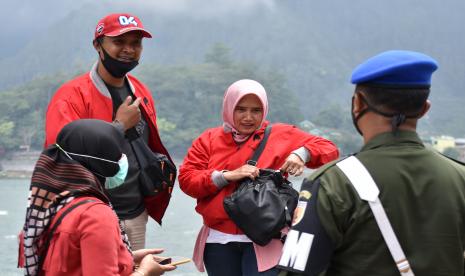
216, 150
87, 97
87, 242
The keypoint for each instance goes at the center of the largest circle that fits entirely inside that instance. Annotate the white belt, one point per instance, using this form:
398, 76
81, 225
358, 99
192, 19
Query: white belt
368, 191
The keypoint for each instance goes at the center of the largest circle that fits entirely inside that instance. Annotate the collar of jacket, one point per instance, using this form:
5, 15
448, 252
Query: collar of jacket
389, 139
251, 142
100, 84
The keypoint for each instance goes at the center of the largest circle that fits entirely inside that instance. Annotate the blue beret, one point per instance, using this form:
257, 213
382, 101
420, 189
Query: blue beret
402, 69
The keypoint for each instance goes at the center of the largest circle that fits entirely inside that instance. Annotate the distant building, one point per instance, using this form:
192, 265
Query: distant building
443, 142
306, 125
21, 161
460, 142
460, 146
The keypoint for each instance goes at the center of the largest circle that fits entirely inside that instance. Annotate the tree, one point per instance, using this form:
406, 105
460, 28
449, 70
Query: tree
190, 97
188, 100
219, 54
335, 117
7, 141
22, 112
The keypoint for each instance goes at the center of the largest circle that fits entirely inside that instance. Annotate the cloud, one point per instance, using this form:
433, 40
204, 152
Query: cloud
199, 8
27, 18
30, 16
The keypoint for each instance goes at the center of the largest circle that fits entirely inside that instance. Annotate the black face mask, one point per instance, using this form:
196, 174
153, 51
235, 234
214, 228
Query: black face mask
355, 119
396, 118
116, 68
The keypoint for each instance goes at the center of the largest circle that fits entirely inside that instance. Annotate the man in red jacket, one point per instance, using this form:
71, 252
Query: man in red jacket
108, 93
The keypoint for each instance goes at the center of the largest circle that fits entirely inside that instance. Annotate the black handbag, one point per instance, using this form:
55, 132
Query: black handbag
157, 172
264, 206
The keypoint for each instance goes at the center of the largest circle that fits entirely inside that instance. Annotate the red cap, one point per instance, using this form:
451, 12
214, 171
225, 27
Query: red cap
119, 23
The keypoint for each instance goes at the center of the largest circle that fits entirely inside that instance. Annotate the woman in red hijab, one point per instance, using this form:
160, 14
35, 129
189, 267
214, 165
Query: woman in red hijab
216, 163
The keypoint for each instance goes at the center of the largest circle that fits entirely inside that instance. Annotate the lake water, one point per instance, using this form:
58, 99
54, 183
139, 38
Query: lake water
177, 236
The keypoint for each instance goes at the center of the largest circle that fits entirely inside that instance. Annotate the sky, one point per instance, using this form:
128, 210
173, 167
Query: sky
25, 18
360, 29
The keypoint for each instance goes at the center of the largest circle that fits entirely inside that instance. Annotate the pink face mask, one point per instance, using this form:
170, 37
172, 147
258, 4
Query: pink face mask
233, 95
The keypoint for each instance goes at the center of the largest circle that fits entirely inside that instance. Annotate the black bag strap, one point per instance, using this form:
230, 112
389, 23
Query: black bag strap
54, 228
261, 147
131, 141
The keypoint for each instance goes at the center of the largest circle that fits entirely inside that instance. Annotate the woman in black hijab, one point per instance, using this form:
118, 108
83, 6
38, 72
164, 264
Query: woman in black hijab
70, 226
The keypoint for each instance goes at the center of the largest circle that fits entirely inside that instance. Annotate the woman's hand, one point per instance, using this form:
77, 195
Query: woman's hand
149, 266
138, 255
293, 165
241, 173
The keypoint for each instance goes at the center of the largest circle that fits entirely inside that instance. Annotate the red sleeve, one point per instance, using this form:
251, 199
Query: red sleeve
194, 174
63, 108
101, 243
152, 102
321, 150
149, 96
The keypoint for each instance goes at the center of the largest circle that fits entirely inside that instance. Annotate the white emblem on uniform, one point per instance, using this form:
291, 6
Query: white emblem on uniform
299, 212
305, 194
123, 20
296, 250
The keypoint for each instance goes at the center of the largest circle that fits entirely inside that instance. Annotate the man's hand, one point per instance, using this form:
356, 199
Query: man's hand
242, 172
128, 114
293, 165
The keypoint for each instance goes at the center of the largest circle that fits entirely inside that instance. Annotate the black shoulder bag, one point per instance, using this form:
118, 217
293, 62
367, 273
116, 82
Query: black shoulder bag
156, 171
264, 206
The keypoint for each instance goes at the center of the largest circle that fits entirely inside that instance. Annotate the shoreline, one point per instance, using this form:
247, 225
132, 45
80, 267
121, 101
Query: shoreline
19, 165
18, 174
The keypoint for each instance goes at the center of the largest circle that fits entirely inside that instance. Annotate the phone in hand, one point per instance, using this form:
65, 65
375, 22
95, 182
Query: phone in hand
165, 261
174, 261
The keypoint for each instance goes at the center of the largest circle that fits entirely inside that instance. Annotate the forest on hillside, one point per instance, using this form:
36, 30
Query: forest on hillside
302, 51
188, 100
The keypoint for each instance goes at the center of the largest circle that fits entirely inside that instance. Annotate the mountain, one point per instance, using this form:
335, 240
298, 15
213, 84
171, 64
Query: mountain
315, 44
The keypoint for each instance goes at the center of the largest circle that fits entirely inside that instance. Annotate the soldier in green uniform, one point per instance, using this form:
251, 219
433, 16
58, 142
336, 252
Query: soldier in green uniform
421, 192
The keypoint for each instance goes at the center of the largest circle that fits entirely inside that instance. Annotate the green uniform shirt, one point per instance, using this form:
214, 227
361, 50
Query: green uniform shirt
423, 194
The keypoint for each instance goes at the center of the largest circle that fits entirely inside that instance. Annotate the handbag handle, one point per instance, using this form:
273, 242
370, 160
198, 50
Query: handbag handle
260, 148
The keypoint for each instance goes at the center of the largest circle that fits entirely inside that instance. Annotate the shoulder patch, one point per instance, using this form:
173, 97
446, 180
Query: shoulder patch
308, 248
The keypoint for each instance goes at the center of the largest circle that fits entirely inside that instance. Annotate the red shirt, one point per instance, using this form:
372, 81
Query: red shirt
216, 150
87, 242
86, 97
